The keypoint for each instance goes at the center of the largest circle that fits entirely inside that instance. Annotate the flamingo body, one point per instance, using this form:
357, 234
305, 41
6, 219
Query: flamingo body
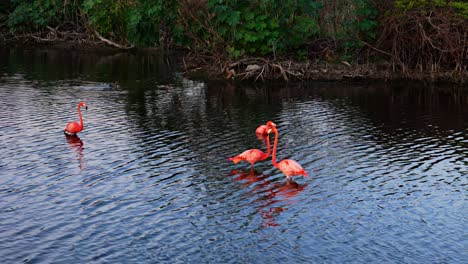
73, 128
291, 168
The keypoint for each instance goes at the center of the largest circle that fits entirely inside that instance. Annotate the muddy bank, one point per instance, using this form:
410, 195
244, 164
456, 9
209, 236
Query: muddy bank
261, 69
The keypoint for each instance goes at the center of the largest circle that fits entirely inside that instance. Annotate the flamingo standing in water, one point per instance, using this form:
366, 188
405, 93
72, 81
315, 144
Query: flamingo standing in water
74, 127
288, 167
252, 155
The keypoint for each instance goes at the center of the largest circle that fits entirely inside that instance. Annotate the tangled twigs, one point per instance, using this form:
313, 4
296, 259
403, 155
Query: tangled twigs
64, 33
434, 41
51, 35
254, 68
260, 68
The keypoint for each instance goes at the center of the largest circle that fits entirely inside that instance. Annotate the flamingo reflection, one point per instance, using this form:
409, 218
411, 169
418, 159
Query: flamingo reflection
274, 198
76, 144
248, 176
281, 193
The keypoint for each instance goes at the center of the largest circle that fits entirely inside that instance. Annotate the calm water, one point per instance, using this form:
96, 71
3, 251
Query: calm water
147, 181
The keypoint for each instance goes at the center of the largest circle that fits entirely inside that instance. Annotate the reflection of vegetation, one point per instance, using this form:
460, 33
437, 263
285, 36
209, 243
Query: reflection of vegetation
127, 69
389, 106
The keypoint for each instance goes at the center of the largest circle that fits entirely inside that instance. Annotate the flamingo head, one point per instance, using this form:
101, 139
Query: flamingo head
261, 130
271, 127
83, 104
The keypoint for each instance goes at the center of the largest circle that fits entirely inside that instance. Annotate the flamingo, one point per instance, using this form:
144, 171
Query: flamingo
74, 127
252, 155
287, 166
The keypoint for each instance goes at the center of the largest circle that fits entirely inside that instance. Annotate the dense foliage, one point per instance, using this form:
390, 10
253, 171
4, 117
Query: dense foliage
406, 31
266, 26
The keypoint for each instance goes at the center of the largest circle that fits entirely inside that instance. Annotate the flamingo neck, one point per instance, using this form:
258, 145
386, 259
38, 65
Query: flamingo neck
275, 145
268, 146
81, 117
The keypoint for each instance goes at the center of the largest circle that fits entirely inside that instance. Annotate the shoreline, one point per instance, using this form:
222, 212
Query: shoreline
262, 69
323, 72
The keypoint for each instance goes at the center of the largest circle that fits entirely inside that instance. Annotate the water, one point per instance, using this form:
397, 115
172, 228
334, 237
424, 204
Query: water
147, 181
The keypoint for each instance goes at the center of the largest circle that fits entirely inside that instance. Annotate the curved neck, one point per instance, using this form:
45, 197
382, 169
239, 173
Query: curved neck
268, 146
275, 145
81, 118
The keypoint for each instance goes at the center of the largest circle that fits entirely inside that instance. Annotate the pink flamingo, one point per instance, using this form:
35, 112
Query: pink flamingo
74, 127
252, 155
288, 167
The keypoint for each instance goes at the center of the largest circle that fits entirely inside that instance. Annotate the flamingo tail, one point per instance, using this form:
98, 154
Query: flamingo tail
234, 159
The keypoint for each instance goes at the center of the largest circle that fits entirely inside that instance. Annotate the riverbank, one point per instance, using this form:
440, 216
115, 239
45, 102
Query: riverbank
264, 69
256, 69
262, 40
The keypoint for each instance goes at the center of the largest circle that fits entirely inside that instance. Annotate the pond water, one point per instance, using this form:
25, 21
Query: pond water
147, 181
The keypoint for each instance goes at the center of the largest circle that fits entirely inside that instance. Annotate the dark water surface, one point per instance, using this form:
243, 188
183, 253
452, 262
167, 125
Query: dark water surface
147, 181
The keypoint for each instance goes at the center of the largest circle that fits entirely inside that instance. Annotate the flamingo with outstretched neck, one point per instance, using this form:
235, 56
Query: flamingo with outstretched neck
252, 155
74, 127
287, 166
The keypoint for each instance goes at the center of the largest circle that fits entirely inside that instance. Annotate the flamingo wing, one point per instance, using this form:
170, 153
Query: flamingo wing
291, 168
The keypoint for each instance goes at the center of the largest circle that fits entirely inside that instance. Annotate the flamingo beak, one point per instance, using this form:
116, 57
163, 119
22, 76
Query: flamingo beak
269, 131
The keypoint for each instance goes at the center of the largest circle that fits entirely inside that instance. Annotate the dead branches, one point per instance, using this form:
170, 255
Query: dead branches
427, 41
57, 35
260, 68
111, 43
286, 70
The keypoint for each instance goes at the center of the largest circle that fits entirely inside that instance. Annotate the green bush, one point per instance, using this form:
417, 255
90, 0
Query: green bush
108, 17
136, 22
348, 23
460, 7
33, 15
264, 26
149, 19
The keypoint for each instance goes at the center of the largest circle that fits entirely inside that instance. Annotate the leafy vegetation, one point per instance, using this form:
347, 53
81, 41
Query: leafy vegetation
34, 15
264, 27
406, 31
